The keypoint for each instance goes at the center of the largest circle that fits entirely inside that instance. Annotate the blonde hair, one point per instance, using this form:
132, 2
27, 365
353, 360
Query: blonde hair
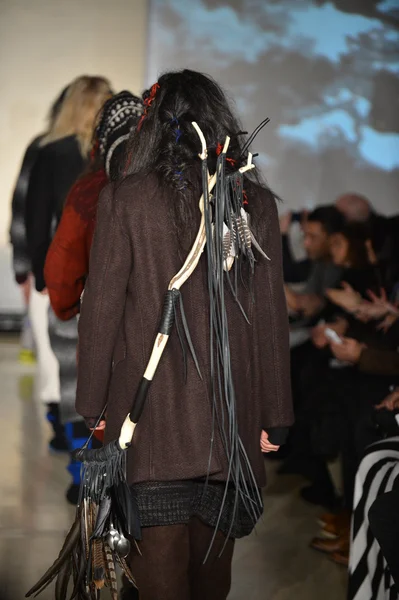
79, 111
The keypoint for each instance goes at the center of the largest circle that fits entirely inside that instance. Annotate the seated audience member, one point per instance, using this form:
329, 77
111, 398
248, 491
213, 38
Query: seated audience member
374, 567
349, 254
384, 233
321, 420
357, 392
351, 250
320, 225
307, 306
384, 524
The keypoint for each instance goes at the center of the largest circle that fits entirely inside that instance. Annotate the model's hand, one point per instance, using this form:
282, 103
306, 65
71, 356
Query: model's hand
44, 292
265, 445
349, 351
91, 422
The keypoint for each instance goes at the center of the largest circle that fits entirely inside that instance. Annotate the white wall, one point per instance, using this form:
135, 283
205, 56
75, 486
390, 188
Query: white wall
43, 45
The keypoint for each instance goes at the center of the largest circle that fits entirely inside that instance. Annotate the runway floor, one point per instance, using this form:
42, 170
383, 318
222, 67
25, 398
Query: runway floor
275, 563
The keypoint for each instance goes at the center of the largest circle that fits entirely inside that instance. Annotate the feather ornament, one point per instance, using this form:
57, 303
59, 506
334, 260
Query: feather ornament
126, 569
252, 240
98, 564
110, 572
61, 586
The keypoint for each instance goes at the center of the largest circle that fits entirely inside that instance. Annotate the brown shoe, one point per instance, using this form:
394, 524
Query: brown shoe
341, 543
341, 557
329, 532
326, 519
334, 525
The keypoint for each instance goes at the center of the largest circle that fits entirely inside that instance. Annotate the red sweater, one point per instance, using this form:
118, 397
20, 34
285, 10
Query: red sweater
67, 262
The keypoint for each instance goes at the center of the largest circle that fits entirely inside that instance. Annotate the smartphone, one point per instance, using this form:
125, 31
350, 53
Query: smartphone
333, 336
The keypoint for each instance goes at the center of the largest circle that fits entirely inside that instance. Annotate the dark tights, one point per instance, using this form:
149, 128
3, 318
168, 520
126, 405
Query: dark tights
171, 566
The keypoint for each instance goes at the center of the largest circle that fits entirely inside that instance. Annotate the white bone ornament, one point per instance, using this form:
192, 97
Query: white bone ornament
181, 277
176, 282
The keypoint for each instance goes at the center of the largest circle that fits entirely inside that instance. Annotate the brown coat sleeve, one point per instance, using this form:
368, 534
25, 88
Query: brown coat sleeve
379, 362
103, 306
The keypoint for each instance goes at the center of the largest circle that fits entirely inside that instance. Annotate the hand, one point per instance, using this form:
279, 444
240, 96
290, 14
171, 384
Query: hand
377, 308
387, 323
381, 299
285, 223
367, 311
349, 351
318, 333
347, 298
44, 292
391, 402
91, 422
265, 445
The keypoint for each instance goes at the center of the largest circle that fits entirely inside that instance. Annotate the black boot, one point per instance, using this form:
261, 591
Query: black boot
59, 442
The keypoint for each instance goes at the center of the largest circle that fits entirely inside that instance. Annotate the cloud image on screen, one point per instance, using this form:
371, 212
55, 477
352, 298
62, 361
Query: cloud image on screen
325, 72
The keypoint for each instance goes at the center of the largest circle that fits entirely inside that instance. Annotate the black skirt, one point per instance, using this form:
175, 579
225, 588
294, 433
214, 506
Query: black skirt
173, 503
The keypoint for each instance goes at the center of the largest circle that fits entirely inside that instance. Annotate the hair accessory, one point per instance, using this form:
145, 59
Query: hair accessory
219, 149
148, 99
120, 114
178, 131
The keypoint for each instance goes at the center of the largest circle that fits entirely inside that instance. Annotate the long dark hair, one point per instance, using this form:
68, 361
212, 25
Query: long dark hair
357, 235
166, 144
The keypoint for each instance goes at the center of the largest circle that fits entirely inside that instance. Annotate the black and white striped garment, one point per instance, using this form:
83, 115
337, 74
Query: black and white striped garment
369, 575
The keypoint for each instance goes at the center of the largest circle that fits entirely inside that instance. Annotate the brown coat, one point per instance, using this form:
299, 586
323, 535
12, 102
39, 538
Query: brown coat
134, 256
